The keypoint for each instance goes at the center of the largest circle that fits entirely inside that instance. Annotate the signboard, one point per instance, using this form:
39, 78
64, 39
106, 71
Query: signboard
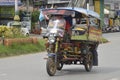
107, 6
9, 2
116, 22
116, 6
106, 21
112, 6
7, 12
112, 14
118, 12
97, 6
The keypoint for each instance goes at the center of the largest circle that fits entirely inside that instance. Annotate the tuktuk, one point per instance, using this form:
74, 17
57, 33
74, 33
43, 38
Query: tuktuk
77, 44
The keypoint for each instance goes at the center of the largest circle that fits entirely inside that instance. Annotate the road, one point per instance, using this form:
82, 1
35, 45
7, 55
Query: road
32, 66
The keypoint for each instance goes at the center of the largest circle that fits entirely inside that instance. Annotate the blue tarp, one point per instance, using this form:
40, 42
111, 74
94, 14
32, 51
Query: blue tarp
41, 16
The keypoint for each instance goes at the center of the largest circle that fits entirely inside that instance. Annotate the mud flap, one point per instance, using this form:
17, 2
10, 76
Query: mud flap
95, 58
53, 55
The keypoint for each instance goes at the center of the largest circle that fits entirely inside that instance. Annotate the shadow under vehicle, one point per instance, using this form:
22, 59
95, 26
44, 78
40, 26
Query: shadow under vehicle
76, 44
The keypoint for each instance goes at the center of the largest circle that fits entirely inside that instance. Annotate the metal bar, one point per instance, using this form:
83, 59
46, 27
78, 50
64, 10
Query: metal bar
102, 12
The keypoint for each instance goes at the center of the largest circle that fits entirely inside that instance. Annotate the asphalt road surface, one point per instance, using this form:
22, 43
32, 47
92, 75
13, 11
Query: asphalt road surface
32, 66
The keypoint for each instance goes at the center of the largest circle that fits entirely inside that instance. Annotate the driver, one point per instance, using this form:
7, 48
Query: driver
61, 19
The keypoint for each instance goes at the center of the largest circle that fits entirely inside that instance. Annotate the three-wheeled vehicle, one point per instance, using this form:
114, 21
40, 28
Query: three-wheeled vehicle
73, 35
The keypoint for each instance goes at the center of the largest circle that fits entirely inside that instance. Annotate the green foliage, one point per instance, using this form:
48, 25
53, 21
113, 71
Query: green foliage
104, 40
19, 49
35, 16
12, 32
3, 29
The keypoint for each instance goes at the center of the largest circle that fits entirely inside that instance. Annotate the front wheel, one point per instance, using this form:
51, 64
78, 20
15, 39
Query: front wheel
88, 62
51, 67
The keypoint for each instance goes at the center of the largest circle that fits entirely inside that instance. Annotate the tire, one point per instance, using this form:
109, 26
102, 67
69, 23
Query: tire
27, 34
59, 66
51, 67
88, 62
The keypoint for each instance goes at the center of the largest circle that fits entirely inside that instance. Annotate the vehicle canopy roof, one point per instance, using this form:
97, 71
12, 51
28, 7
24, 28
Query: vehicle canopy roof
70, 11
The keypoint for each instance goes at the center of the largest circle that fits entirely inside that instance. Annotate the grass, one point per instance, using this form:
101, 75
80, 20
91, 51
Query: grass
25, 48
18, 49
104, 40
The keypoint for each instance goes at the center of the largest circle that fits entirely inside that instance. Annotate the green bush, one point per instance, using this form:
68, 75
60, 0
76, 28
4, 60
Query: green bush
35, 16
12, 32
104, 40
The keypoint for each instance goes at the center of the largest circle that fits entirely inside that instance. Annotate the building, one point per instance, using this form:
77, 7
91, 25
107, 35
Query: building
50, 3
58, 3
7, 10
113, 6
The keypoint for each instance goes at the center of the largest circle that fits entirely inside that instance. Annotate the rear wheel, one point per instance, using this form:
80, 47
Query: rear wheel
27, 34
88, 62
51, 67
59, 66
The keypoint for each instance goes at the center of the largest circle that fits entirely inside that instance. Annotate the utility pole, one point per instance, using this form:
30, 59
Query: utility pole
72, 4
99, 8
88, 5
102, 12
52, 6
16, 6
27, 5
